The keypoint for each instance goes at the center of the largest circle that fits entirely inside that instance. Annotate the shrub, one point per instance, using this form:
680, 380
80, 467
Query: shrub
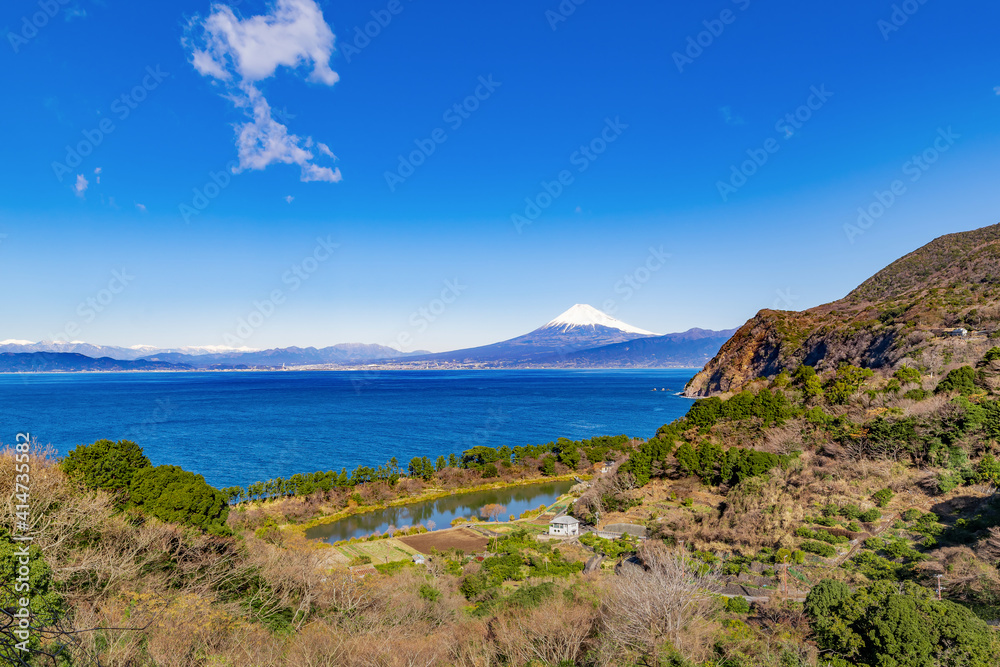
907, 375
818, 548
871, 516
993, 354
916, 394
904, 626
429, 593
847, 382
948, 481
737, 605
876, 567
850, 511
988, 470
882, 497
962, 380
490, 470
548, 466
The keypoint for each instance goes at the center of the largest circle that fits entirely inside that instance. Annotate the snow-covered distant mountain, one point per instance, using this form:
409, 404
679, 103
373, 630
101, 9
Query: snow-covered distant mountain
111, 351
581, 337
579, 328
582, 316
344, 353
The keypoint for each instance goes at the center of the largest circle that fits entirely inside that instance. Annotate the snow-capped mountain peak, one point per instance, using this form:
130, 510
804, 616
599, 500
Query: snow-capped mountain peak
583, 315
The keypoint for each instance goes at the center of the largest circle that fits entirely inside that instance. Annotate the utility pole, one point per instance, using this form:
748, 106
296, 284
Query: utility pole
784, 576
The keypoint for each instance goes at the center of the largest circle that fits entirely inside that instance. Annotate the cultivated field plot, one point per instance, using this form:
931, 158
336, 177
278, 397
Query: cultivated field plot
380, 551
464, 539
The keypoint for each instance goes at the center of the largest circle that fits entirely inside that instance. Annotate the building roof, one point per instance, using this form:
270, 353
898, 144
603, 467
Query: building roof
565, 519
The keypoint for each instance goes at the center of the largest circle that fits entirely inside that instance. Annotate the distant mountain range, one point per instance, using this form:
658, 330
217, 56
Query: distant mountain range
582, 337
64, 362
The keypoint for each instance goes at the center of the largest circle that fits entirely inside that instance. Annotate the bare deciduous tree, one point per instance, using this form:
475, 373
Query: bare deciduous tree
657, 601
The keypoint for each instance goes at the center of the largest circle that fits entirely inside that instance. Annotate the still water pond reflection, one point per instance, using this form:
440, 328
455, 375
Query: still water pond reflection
441, 511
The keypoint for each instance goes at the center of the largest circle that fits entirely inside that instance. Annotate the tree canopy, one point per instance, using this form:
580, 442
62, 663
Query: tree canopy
106, 464
888, 625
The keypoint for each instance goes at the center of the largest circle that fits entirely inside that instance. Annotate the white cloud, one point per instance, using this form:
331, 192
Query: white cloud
97, 173
238, 53
81, 185
140, 207
997, 90
289, 199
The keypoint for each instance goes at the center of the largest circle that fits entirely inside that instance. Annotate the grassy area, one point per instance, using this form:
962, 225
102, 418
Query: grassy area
379, 551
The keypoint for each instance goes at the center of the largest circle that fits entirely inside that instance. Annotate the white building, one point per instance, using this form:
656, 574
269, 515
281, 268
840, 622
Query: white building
564, 526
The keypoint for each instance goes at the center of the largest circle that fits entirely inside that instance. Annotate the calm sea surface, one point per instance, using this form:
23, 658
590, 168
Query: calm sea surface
237, 428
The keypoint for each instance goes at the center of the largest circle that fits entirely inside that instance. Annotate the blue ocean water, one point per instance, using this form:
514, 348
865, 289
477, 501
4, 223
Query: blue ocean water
242, 427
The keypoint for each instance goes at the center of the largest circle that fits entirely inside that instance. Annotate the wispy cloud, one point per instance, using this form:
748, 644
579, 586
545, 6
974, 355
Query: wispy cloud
996, 90
81, 185
140, 207
239, 53
289, 199
729, 117
71, 13
97, 174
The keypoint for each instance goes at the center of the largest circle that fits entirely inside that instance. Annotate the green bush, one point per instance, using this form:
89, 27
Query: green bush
887, 625
993, 354
429, 593
173, 494
876, 567
548, 465
871, 516
962, 380
818, 548
847, 382
883, 497
988, 470
916, 394
105, 464
44, 602
850, 511
907, 375
737, 605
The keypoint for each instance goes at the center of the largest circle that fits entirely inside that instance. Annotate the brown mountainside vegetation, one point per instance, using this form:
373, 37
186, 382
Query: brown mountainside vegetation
900, 316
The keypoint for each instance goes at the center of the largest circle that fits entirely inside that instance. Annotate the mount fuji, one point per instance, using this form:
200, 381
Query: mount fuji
581, 337
573, 338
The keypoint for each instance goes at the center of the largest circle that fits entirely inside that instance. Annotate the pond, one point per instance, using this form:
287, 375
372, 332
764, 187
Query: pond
442, 511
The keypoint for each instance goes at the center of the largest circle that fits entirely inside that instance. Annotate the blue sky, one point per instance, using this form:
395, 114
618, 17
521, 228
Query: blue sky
357, 248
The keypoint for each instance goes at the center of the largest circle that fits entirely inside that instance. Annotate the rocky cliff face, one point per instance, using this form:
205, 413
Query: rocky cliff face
902, 315
774, 341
